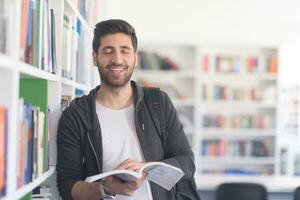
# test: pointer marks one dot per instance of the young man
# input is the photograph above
(111, 127)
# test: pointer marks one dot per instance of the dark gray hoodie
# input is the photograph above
(79, 142)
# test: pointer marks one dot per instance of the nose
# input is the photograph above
(117, 58)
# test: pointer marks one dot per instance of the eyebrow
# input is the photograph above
(122, 47)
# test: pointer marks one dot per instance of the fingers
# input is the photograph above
(130, 165)
(113, 185)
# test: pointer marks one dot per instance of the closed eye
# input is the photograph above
(107, 50)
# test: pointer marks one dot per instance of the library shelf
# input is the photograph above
(238, 160)
(87, 27)
(237, 132)
(25, 189)
(75, 84)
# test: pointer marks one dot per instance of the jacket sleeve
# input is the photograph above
(177, 149)
(69, 156)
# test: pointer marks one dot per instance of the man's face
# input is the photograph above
(115, 59)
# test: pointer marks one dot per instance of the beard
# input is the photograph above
(112, 81)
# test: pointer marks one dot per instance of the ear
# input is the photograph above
(136, 59)
(95, 58)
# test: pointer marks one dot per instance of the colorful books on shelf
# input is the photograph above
(239, 121)
(222, 63)
(37, 35)
(69, 40)
(3, 149)
(235, 148)
(33, 143)
(154, 61)
(213, 91)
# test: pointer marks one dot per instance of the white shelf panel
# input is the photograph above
(183, 102)
(74, 84)
(29, 71)
(236, 104)
(272, 183)
(30, 186)
(26, 70)
(6, 62)
(165, 73)
(80, 17)
(210, 77)
(235, 132)
(237, 160)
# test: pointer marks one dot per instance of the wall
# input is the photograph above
(240, 22)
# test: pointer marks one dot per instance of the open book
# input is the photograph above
(160, 173)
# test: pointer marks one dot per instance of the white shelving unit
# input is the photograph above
(190, 78)
(179, 84)
(29, 187)
(13, 70)
(233, 96)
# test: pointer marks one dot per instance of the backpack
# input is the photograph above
(184, 189)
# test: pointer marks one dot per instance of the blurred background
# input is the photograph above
(232, 70)
(230, 67)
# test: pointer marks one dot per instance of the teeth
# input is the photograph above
(117, 69)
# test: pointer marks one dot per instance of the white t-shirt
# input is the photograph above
(120, 142)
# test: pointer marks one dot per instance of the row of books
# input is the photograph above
(37, 35)
(240, 121)
(154, 61)
(70, 46)
(238, 171)
(33, 143)
(74, 56)
(288, 110)
(3, 149)
(239, 64)
(239, 93)
(170, 89)
(235, 148)
(88, 9)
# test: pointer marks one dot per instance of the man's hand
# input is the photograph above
(115, 186)
(130, 165)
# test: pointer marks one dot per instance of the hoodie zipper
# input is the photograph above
(94, 152)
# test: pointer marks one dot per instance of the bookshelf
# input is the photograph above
(288, 121)
(34, 72)
(237, 111)
(176, 75)
(226, 97)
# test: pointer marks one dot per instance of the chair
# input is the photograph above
(297, 193)
(241, 191)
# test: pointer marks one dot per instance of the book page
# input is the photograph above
(163, 174)
(125, 175)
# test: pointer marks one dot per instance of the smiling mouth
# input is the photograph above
(116, 69)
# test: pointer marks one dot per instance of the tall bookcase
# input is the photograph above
(226, 97)
(237, 111)
(45, 54)
(180, 83)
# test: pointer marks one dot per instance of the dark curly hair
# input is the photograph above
(113, 26)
